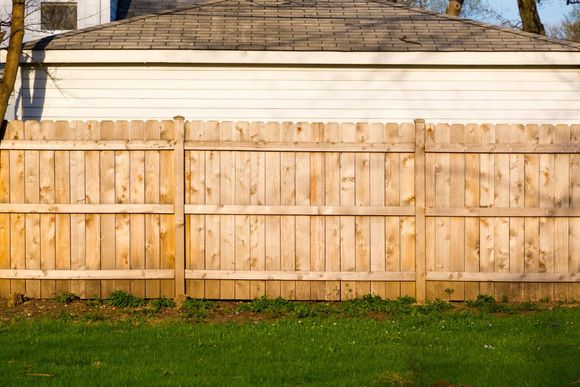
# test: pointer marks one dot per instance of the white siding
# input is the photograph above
(94, 12)
(508, 95)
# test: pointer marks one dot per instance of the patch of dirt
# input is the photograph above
(89, 310)
(220, 312)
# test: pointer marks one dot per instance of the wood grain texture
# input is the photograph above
(301, 210)
(4, 221)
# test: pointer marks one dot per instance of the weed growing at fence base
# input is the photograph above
(368, 342)
(65, 298)
(124, 299)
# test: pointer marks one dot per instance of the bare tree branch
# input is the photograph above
(12, 56)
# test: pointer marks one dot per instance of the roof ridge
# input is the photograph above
(481, 24)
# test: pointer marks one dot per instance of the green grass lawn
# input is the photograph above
(470, 347)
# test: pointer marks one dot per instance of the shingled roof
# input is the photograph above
(300, 25)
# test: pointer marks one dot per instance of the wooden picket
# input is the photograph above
(310, 211)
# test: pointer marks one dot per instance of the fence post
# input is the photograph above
(179, 205)
(420, 263)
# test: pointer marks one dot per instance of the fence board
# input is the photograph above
(377, 198)
(122, 221)
(273, 223)
(288, 223)
(4, 221)
(152, 222)
(93, 221)
(332, 198)
(167, 188)
(243, 223)
(17, 229)
(107, 170)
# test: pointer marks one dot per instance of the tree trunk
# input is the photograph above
(454, 7)
(13, 55)
(530, 17)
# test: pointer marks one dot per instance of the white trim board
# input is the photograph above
(305, 58)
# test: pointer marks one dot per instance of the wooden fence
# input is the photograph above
(298, 210)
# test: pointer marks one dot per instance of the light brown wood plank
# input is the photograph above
(332, 223)
(196, 288)
(250, 188)
(48, 252)
(227, 222)
(288, 223)
(547, 200)
(32, 196)
(487, 199)
(85, 145)
(443, 200)
(77, 196)
(503, 277)
(137, 196)
(212, 237)
(513, 212)
(317, 224)
(89, 208)
(92, 131)
(491, 148)
(257, 254)
(298, 145)
(167, 192)
(258, 133)
(372, 211)
(300, 276)
(77, 275)
(407, 200)
(561, 199)
(392, 198)
(501, 199)
(179, 202)
(472, 191)
(302, 223)
(302, 133)
(4, 221)
(517, 226)
(47, 222)
(152, 222)
(362, 223)
(457, 224)
(574, 291)
(377, 224)
(107, 188)
(62, 195)
(347, 197)
(532, 199)
(122, 196)
(242, 223)
(273, 187)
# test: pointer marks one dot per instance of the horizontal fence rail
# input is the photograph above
(312, 211)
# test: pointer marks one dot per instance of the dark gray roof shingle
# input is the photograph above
(301, 25)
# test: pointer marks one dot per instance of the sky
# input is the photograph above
(551, 12)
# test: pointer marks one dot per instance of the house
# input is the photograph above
(301, 60)
(49, 17)
(45, 18)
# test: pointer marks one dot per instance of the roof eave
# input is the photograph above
(448, 58)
